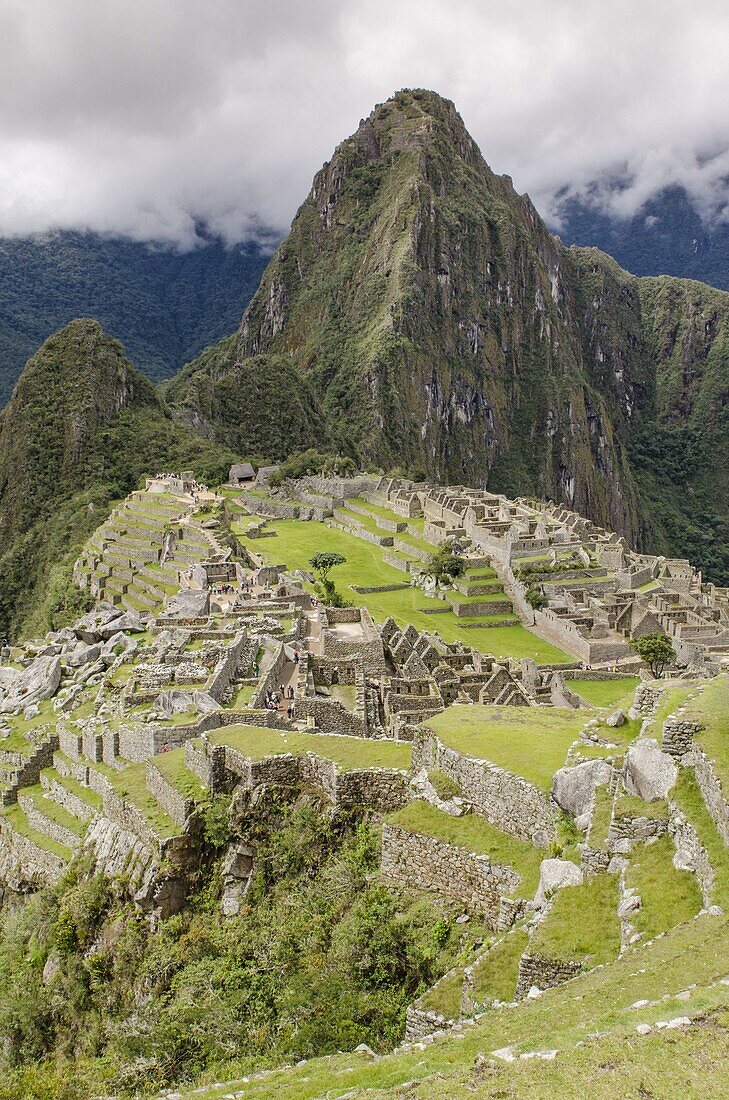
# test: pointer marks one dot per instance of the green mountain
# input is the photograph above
(81, 428)
(164, 305)
(422, 312)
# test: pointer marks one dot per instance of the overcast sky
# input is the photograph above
(141, 116)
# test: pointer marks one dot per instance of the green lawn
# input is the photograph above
(132, 785)
(606, 693)
(530, 741)
(19, 823)
(296, 542)
(478, 835)
(172, 766)
(445, 997)
(582, 923)
(350, 753)
(668, 896)
(688, 798)
(242, 697)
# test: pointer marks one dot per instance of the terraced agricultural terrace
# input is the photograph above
(521, 767)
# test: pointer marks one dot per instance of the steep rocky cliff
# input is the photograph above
(421, 307)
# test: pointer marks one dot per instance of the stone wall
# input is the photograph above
(506, 800)
(691, 852)
(421, 1022)
(226, 669)
(176, 805)
(543, 972)
(678, 735)
(25, 866)
(28, 774)
(712, 792)
(46, 825)
(431, 864)
(330, 716)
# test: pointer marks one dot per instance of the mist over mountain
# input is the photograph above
(668, 235)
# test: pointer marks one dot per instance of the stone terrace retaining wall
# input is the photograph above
(330, 716)
(23, 864)
(421, 1022)
(46, 825)
(686, 841)
(678, 735)
(178, 807)
(543, 972)
(712, 792)
(506, 800)
(226, 669)
(431, 864)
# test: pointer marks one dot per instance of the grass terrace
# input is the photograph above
(131, 784)
(350, 753)
(296, 542)
(494, 975)
(530, 741)
(475, 834)
(711, 707)
(582, 924)
(688, 798)
(668, 896)
(172, 766)
(18, 822)
(606, 693)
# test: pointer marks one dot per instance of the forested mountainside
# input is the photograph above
(666, 236)
(80, 430)
(422, 311)
(164, 305)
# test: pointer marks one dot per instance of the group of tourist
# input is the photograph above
(274, 700)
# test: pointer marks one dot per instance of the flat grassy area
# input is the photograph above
(668, 896)
(172, 766)
(711, 707)
(594, 1010)
(606, 693)
(582, 924)
(530, 741)
(674, 696)
(494, 975)
(93, 800)
(601, 816)
(350, 753)
(475, 834)
(631, 806)
(295, 543)
(241, 697)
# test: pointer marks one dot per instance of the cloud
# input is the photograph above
(145, 118)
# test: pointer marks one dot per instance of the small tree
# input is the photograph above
(445, 566)
(536, 598)
(656, 650)
(322, 564)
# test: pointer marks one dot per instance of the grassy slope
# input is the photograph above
(617, 1062)
(350, 753)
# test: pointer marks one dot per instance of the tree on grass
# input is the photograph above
(322, 564)
(445, 566)
(536, 598)
(656, 650)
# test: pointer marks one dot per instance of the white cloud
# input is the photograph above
(144, 117)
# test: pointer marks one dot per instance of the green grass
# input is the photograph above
(606, 693)
(475, 834)
(295, 543)
(172, 766)
(582, 923)
(630, 806)
(15, 816)
(494, 975)
(92, 799)
(594, 1010)
(444, 786)
(668, 896)
(241, 697)
(530, 741)
(350, 753)
(673, 697)
(688, 798)
(601, 816)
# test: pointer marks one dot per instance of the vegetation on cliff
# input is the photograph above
(322, 956)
